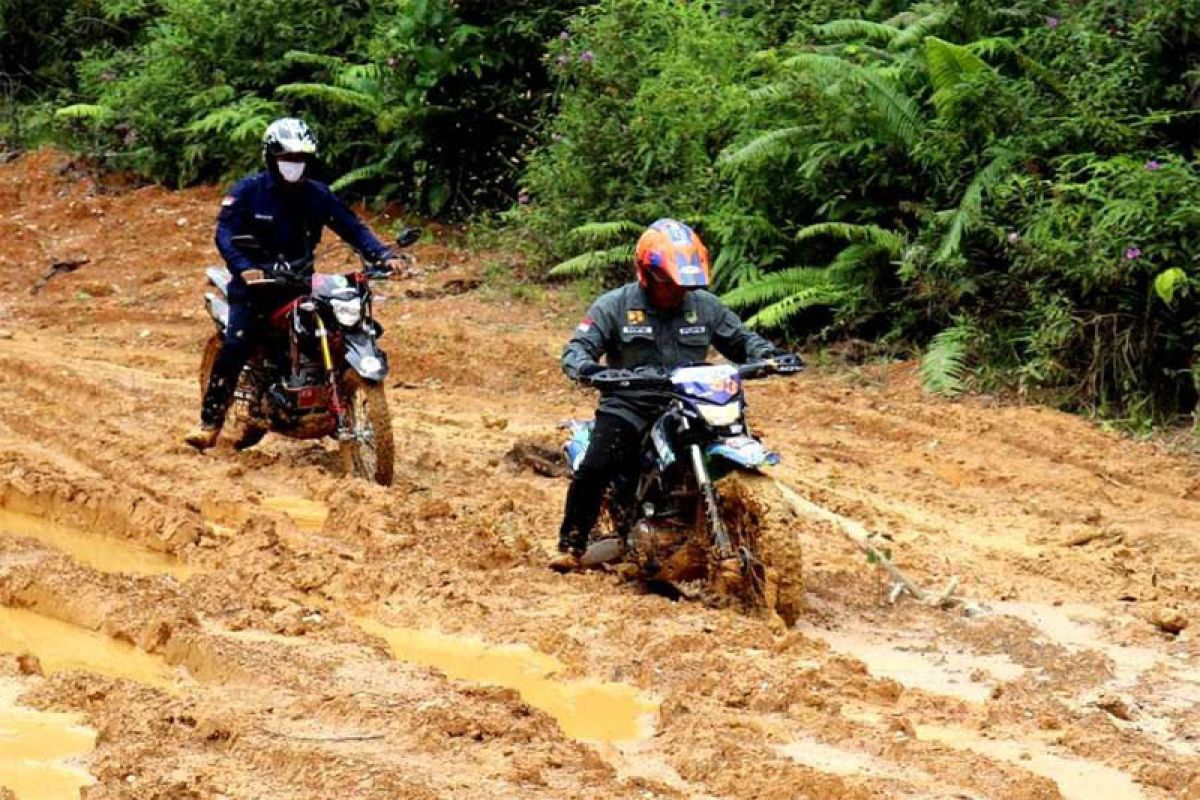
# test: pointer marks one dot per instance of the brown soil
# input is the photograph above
(1070, 543)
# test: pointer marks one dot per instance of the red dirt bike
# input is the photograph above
(319, 370)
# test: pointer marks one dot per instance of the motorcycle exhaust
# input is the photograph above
(602, 552)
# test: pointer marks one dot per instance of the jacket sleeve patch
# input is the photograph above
(585, 325)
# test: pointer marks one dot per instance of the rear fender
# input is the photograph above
(218, 309)
(364, 356)
(220, 278)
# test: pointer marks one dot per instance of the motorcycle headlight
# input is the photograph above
(348, 312)
(720, 416)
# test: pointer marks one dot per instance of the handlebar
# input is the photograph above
(652, 378)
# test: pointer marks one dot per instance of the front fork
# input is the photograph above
(335, 397)
(712, 510)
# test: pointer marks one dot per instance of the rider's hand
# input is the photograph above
(788, 362)
(649, 372)
(395, 265)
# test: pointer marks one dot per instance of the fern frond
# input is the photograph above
(764, 146)
(775, 286)
(594, 261)
(779, 314)
(307, 59)
(944, 365)
(88, 111)
(334, 95)
(970, 208)
(843, 29)
(949, 66)
(921, 28)
(363, 173)
(898, 111)
(597, 234)
(883, 238)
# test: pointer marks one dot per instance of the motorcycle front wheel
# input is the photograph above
(369, 454)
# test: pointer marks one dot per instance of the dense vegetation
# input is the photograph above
(1015, 185)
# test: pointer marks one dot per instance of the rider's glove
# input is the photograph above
(788, 362)
(586, 370)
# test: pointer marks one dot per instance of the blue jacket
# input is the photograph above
(288, 221)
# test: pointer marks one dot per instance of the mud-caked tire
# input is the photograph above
(369, 399)
(238, 428)
(757, 514)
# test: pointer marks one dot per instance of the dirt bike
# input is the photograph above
(699, 509)
(319, 370)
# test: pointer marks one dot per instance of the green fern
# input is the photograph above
(921, 27)
(84, 111)
(845, 29)
(897, 111)
(363, 173)
(970, 209)
(333, 95)
(944, 366)
(765, 146)
(889, 241)
(595, 261)
(597, 234)
(949, 66)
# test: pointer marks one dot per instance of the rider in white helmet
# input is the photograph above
(286, 211)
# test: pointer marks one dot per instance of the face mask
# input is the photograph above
(292, 171)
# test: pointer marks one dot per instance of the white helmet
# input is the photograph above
(288, 135)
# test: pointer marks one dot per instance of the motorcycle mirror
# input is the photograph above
(408, 236)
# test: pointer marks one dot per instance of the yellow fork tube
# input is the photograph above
(323, 335)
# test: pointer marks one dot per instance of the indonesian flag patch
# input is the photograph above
(228, 201)
(585, 325)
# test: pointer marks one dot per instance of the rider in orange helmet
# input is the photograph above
(665, 320)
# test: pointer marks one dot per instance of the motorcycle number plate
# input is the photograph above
(311, 396)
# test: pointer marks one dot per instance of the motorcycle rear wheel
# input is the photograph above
(372, 457)
(239, 426)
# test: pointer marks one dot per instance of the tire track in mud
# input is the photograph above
(287, 691)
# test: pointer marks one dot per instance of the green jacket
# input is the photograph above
(628, 332)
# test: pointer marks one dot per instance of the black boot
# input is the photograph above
(571, 544)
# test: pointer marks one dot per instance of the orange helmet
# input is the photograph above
(670, 260)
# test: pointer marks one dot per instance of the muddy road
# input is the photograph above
(255, 626)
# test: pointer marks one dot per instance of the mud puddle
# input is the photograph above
(309, 515)
(61, 647)
(586, 710)
(1077, 778)
(101, 553)
(38, 750)
(922, 664)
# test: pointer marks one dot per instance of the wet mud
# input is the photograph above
(202, 613)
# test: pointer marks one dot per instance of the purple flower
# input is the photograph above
(1132, 253)
(1052, 22)
(587, 57)
(1013, 237)
(1153, 165)
(564, 36)
(523, 197)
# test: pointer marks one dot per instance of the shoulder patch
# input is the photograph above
(585, 325)
(228, 201)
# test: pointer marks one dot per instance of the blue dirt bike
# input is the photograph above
(700, 517)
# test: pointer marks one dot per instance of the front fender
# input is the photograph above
(742, 452)
(364, 356)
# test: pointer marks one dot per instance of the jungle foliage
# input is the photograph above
(1013, 185)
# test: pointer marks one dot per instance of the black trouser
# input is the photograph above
(613, 450)
(245, 327)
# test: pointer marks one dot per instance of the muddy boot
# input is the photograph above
(570, 547)
(203, 436)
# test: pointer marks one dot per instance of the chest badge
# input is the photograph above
(635, 316)
(691, 316)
